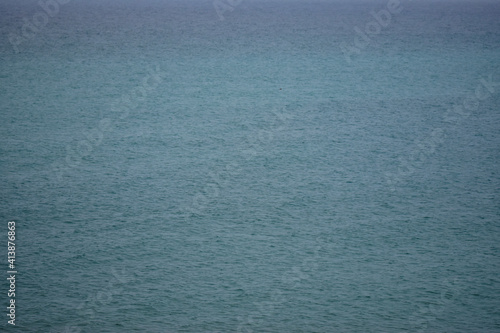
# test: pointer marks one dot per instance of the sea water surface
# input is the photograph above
(251, 166)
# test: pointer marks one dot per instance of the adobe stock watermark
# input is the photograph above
(291, 280)
(31, 27)
(89, 308)
(382, 19)
(255, 144)
(430, 312)
(222, 6)
(423, 149)
(121, 108)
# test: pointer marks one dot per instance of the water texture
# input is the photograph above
(251, 166)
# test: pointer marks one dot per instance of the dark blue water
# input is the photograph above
(251, 166)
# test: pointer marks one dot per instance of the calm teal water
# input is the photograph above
(276, 168)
